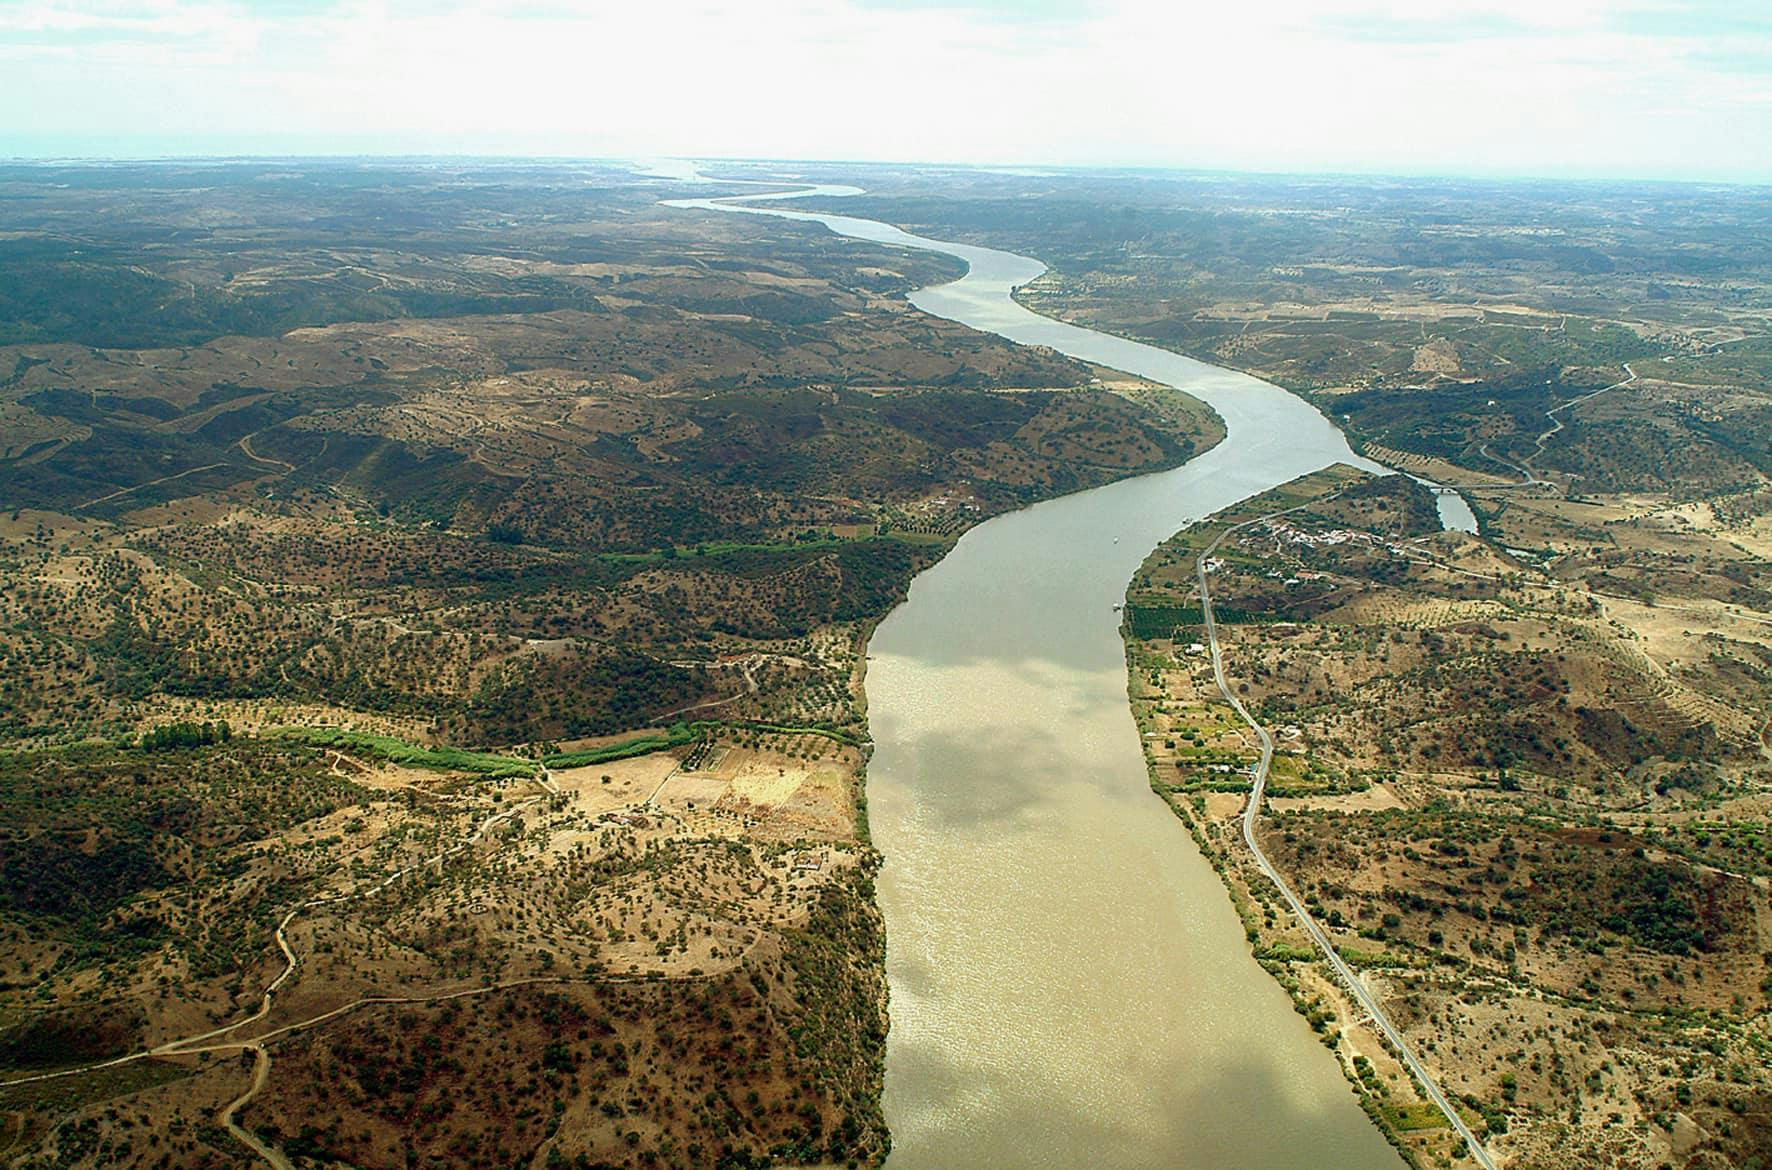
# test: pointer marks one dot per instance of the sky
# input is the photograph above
(1581, 88)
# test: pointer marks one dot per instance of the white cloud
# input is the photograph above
(1447, 85)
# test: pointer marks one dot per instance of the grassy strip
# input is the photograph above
(640, 745)
(1374, 959)
(841, 737)
(1149, 621)
(449, 759)
(1412, 1117)
(718, 548)
(398, 751)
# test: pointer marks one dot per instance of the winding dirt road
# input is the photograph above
(212, 1040)
(1529, 477)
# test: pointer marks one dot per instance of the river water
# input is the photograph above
(1070, 986)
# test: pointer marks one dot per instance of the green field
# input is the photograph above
(640, 745)
(398, 751)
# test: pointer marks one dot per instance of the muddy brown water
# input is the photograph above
(1070, 985)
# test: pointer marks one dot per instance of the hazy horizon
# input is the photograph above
(1555, 89)
(1052, 169)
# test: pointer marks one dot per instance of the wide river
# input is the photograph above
(1070, 985)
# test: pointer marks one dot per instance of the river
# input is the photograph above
(1070, 985)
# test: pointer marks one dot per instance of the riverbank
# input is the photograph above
(623, 539)
(1204, 764)
(1452, 797)
(1007, 794)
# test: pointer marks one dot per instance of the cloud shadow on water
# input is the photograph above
(1241, 1118)
(983, 781)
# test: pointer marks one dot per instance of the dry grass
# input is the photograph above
(1573, 934)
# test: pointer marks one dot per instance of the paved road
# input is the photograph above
(1250, 815)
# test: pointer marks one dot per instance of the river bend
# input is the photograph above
(1070, 986)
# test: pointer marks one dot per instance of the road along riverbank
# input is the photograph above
(1070, 985)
